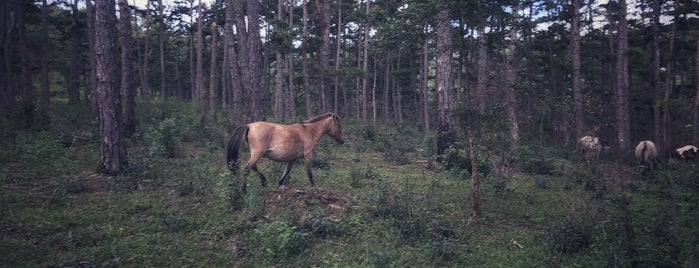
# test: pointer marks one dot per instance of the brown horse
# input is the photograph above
(281, 143)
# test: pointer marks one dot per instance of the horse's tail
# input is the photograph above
(233, 147)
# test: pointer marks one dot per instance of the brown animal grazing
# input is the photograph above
(591, 146)
(687, 152)
(281, 143)
(647, 153)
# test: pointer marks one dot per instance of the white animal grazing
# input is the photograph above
(590, 147)
(647, 153)
(687, 152)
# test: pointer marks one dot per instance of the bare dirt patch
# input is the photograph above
(334, 204)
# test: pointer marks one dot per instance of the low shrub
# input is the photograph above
(570, 235)
(277, 240)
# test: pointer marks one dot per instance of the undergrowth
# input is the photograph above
(381, 200)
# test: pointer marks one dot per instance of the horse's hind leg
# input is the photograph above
(262, 177)
(252, 164)
(286, 172)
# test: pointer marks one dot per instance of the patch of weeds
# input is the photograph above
(569, 236)
(161, 140)
(325, 227)
(530, 160)
(255, 205)
(65, 188)
(174, 223)
(277, 240)
(360, 176)
(398, 157)
(320, 163)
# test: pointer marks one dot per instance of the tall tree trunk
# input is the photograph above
(444, 84)
(112, 145)
(200, 102)
(243, 56)
(304, 60)
(291, 92)
(323, 15)
(669, 84)
(424, 85)
(146, 92)
(365, 66)
(91, 91)
(338, 43)
(7, 100)
(25, 79)
(482, 72)
(212, 72)
(234, 71)
(254, 70)
(279, 75)
(695, 136)
(386, 81)
(657, 120)
(45, 99)
(575, 58)
(128, 93)
(373, 92)
(161, 38)
(73, 75)
(192, 61)
(622, 83)
(510, 94)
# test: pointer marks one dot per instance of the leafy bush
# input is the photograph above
(570, 235)
(457, 159)
(277, 240)
(530, 160)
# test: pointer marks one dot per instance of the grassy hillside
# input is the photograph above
(379, 201)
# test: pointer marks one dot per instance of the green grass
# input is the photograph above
(175, 206)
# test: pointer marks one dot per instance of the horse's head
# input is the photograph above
(335, 130)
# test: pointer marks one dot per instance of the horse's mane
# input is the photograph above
(321, 117)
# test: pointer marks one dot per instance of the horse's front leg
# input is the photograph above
(286, 172)
(309, 162)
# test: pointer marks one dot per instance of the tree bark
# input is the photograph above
(365, 66)
(91, 91)
(338, 43)
(45, 99)
(304, 60)
(669, 84)
(424, 85)
(695, 136)
(575, 58)
(128, 93)
(657, 121)
(213, 95)
(280, 59)
(623, 122)
(445, 95)
(146, 92)
(254, 70)
(25, 79)
(161, 38)
(291, 92)
(482, 72)
(112, 145)
(510, 94)
(323, 15)
(73, 75)
(234, 71)
(201, 99)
